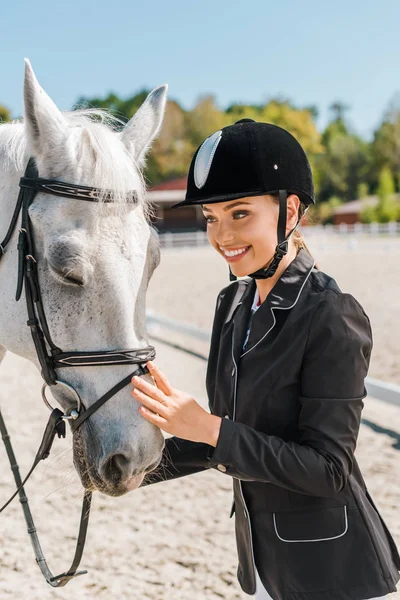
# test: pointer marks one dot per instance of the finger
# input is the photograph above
(148, 388)
(160, 378)
(152, 417)
(154, 405)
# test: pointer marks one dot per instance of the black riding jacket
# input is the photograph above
(291, 405)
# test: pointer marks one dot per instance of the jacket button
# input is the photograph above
(221, 468)
(233, 371)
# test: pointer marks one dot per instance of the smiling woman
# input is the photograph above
(285, 380)
(243, 231)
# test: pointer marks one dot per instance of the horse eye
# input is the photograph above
(75, 279)
(67, 276)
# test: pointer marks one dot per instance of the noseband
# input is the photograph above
(51, 357)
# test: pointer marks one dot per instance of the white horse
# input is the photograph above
(95, 261)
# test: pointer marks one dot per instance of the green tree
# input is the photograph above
(344, 164)
(122, 108)
(172, 150)
(345, 160)
(362, 190)
(386, 183)
(368, 214)
(385, 147)
(387, 208)
(204, 119)
(324, 212)
(4, 114)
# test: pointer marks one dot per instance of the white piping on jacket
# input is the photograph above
(280, 308)
(246, 511)
(315, 540)
(247, 514)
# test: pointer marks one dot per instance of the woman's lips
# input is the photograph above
(237, 257)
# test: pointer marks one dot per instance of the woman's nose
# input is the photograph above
(224, 234)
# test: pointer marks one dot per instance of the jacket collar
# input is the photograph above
(289, 286)
(284, 295)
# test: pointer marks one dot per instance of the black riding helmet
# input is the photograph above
(250, 158)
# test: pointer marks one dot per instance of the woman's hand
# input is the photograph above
(174, 411)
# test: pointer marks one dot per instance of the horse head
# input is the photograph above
(94, 260)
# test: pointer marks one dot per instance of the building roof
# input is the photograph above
(168, 192)
(356, 206)
(179, 183)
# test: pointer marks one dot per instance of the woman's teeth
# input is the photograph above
(235, 252)
(235, 255)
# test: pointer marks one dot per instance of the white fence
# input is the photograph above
(364, 229)
(388, 392)
(190, 238)
(199, 238)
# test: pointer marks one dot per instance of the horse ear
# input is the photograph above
(144, 126)
(45, 124)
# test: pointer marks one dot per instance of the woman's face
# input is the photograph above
(247, 228)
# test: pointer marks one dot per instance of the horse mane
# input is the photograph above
(113, 167)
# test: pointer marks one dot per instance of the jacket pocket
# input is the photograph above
(311, 526)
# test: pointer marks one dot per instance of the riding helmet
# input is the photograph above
(251, 158)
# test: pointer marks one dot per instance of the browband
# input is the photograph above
(70, 190)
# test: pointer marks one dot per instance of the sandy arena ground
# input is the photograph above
(175, 540)
(186, 284)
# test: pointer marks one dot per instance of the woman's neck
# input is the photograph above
(264, 286)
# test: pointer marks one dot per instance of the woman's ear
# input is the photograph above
(293, 205)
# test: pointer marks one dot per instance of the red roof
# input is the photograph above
(172, 184)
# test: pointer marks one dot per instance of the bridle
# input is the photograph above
(52, 358)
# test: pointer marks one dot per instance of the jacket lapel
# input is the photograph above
(241, 318)
(284, 295)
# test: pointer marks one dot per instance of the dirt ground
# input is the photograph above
(186, 284)
(174, 540)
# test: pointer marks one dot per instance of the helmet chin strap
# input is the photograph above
(282, 246)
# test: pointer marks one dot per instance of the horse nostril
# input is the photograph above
(121, 467)
(116, 468)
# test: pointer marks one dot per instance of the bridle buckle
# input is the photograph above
(74, 413)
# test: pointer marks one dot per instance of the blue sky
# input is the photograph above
(310, 52)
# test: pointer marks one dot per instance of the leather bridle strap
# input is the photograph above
(12, 226)
(30, 184)
(54, 426)
(28, 277)
(106, 357)
(141, 370)
(68, 190)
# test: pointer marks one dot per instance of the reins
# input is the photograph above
(51, 357)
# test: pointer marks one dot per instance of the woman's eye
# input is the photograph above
(240, 212)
